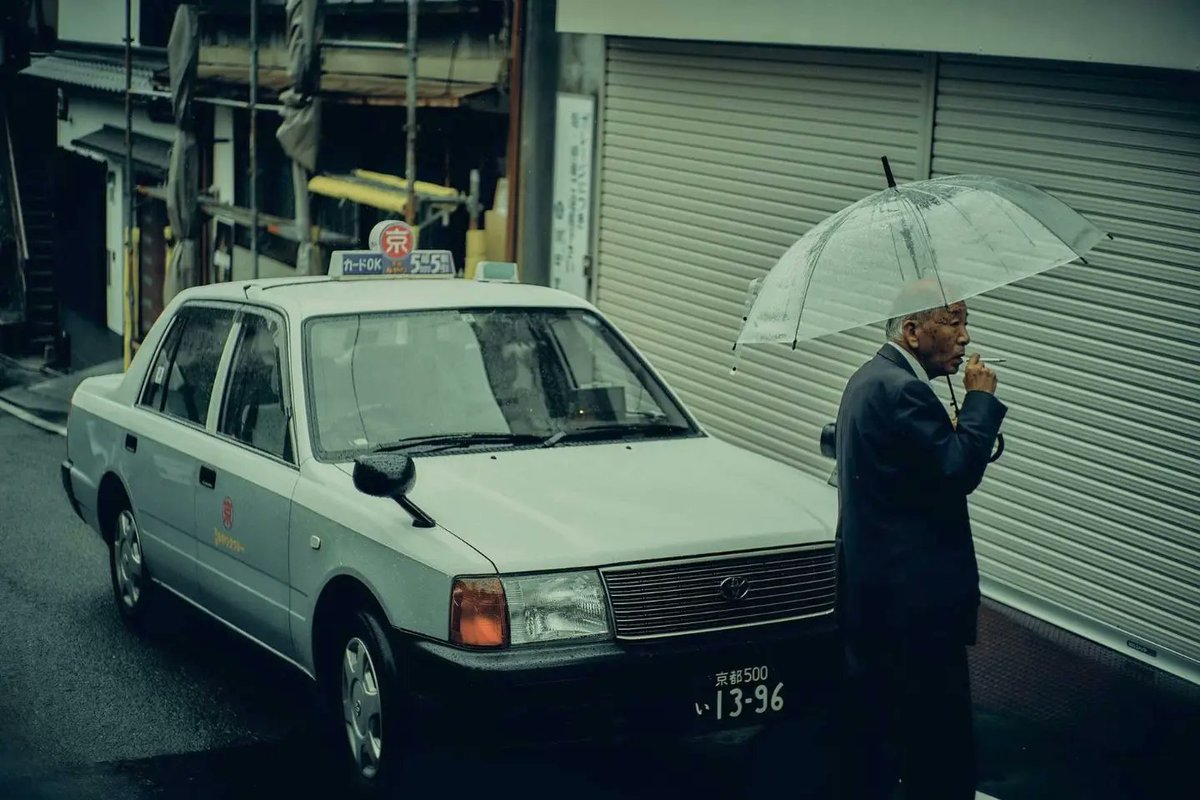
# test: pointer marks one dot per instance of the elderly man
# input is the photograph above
(908, 582)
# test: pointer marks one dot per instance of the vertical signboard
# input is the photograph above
(570, 230)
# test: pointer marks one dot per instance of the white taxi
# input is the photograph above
(468, 497)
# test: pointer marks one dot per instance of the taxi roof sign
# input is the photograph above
(374, 264)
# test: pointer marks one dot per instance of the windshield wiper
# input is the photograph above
(617, 431)
(446, 441)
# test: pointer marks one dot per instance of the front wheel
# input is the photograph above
(370, 703)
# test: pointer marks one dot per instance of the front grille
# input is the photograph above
(679, 597)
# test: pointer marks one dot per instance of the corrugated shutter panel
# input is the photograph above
(1095, 508)
(715, 159)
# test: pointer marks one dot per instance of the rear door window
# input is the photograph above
(191, 373)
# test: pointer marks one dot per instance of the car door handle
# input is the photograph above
(208, 477)
(131, 442)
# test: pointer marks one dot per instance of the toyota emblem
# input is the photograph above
(735, 588)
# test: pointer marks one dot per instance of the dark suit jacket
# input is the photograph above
(906, 561)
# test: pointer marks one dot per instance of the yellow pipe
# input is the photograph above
(420, 187)
(135, 339)
(367, 195)
(127, 294)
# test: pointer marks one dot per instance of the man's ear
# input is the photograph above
(909, 330)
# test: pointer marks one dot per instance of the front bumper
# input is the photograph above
(627, 690)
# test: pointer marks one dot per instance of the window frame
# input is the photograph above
(182, 317)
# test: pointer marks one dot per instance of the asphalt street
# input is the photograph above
(89, 709)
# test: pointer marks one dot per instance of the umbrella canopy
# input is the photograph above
(952, 238)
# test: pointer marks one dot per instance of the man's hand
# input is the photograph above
(979, 376)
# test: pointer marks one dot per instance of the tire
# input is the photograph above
(368, 705)
(133, 590)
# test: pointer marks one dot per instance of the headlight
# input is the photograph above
(551, 608)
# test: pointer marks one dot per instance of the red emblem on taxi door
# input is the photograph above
(227, 514)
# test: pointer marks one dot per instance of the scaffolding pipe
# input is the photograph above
(512, 165)
(130, 209)
(303, 211)
(358, 44)
(410, 129)
(254, 136)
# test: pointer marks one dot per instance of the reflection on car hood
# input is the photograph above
(611, 503)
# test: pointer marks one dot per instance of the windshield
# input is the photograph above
(382, 379)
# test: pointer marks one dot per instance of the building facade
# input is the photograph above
(723, 131)
(358, 177)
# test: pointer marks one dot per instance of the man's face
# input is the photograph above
(940, 342)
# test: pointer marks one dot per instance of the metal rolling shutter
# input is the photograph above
(715, 159)
(1095, 508)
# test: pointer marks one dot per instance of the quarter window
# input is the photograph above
(155, 388)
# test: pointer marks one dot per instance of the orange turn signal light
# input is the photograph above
(478, 613)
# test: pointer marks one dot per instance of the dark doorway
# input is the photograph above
(79, 249)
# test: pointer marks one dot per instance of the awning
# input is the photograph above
(148, 152)
(97, 72)
(379, 190)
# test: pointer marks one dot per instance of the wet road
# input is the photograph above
(91, 709)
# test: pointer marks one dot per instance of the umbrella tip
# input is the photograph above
(887, 170)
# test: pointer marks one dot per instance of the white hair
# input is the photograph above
(894, 329)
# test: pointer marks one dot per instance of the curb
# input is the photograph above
(32, 419)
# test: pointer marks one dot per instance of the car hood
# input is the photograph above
(601, 504)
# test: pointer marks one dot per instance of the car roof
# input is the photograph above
(305, 297)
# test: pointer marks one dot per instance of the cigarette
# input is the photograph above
(992, 360)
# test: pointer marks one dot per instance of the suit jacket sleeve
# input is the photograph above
(959, 454)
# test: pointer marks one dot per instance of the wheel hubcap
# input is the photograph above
(128, 557)
(361, 707)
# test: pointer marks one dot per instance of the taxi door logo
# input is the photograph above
(223, 539)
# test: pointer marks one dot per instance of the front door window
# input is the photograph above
(255, 412)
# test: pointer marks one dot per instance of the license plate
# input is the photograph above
(743, 694)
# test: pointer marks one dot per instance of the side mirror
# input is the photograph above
(390, 475)
(829, 440)
(384, 474)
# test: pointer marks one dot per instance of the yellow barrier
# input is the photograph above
(130, 293)
(476, 251)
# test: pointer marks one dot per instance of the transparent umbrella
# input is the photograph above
(957, 236)
(910, 248)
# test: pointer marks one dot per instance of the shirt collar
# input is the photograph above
(917, 369)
